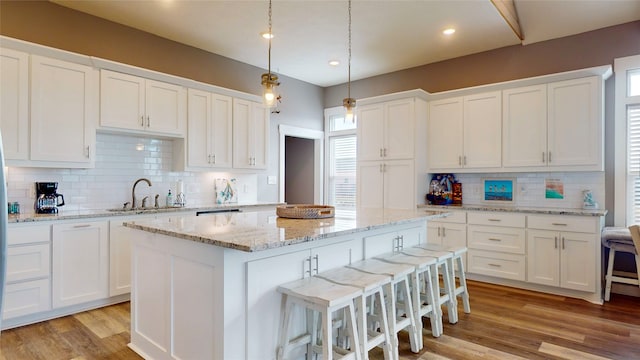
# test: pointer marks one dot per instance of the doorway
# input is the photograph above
(301, 153)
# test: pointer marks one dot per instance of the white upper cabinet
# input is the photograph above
(250, 135)
(14, 103)
(554, 127)
(62, 111)
(524, 126)
(210, 131)
(133, 103)
(575, 124)
(386, 130)
(465, 132)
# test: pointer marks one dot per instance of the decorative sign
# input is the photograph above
(498, 190)
(554, 189)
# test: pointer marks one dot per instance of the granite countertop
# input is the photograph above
(98, 213)
(262, 230)
(530, 210)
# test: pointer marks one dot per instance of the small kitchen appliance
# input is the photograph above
(47, 198)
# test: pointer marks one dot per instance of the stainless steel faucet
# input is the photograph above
(133, 191)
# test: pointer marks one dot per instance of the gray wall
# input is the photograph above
(52, 25)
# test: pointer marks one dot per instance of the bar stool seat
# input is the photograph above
(318, 296)
(423, 291)
(367, 319)
(620, 239)
(399, 308)
(457, 252)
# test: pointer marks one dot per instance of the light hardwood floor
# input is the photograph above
(504, 323)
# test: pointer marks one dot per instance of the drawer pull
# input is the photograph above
(495, 220)
(81, 226)
(495, 239)
(558, 224)
(495, 265)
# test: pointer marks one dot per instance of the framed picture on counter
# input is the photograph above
(498, 190)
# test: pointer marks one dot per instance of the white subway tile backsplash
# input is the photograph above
(118, 165)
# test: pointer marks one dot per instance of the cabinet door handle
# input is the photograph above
(495, 265)
(81, 226)
(495, 239)
(88, 152)
(543, 157)
(563, 243)
(549, 156)
(459, 160)
(380, 152)
(465, 160)
(317, 263)
(148, 121)
(401, 239)
(438, 231)
(556, 242)
(214, 158)
(495, 220)
(558, 224)
(384, 152)
(142, 120)
(444, 232)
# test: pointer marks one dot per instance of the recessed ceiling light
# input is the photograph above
(266, 35)
(448, 31)
(334, 62)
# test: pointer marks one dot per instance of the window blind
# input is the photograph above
(342, 176)
(633, 166)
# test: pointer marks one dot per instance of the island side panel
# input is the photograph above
(176, 303)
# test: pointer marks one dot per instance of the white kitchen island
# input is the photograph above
(205, 287)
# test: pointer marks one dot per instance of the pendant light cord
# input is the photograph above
(349, 65)
(270, 37)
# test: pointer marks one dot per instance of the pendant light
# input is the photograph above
(349, 102)
(269, 80)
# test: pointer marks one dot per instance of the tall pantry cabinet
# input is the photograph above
(390, 157)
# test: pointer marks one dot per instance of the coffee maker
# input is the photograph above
(47, 198)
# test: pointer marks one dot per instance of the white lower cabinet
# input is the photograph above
(81, 262)
(386, 242)
(28, 284)
(498, 251)
(451, 230)
(564, 259)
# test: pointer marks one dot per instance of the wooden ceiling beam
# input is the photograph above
(507, 9)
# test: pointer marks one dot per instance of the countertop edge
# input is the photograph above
(280, 244)
(529, 210)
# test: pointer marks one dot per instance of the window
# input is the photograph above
(627, 141)
(341, 161)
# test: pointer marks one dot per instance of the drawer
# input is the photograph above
(26, 298)
(28, 262)
(585, 224)
(458, 217)
(28, 234)
(507, 266)
(497, 238)
(496, 219)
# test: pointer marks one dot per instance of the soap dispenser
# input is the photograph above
(169, 199)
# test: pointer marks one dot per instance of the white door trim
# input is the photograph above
(318, 158)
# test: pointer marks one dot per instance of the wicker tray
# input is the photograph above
(305, 211)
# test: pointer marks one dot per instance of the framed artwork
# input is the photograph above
(498, 190)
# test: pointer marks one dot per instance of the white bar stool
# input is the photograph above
(399, 308)
(619, 239)
(423, 291)
(367, 319)
(457, 252)
(326, 298)
(446, 294)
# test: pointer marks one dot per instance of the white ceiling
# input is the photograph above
(386, 35)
